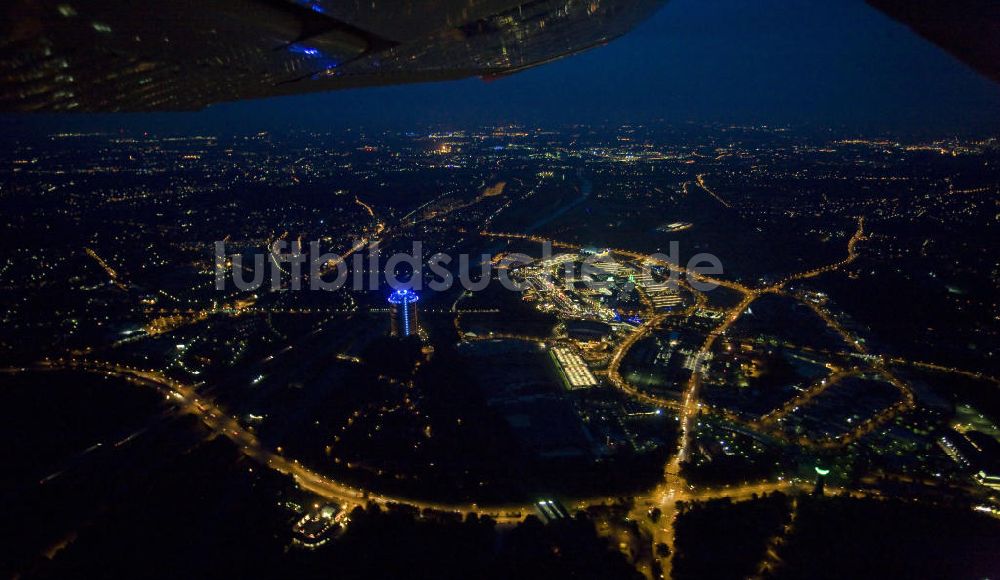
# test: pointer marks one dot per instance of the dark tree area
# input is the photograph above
(722, 539)
(471, 444)
(205, 514)
(209, 513)
(397, 543)
(835, 538)
(840, 537)
(776, 371)
(393, 357)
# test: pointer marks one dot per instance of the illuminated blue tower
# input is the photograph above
(403, 310)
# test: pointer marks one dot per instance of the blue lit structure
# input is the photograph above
(403, 309)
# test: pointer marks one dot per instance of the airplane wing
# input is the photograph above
(968, 29)
(106, 55)
(110, 55)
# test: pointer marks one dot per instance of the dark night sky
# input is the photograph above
(746, 61)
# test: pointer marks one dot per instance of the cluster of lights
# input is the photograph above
(576, 370)
(953, 452)
(403, 296)
(551, 510)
